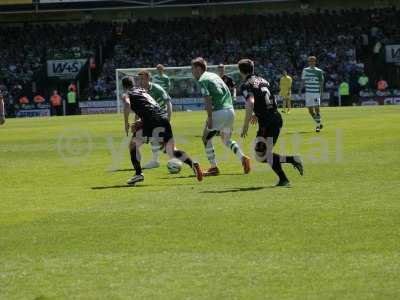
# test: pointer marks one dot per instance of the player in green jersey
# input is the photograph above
(312, 79)
(220, 115)
(162, 79)
(164, 101)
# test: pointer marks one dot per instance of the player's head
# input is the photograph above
(160, 69)
(127, 83)
(199, 66)
(312, 61)
(246, 67)
(144, 78)
(221, 70)
(284, 72)
(55, 92)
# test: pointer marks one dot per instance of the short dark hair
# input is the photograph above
(246, 66)
(127, 82)
(200, 62)
(144, 72)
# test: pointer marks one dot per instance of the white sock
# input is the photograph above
(211, 154)
(155, 148)
(235, 149)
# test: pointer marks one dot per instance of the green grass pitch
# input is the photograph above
(71, 229)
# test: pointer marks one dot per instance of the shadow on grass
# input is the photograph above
(300, 132)
(249, 189)
(122, 170)
(117, 187)
(205, 178)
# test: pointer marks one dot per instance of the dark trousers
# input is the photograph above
(72, 108)
(57, 110)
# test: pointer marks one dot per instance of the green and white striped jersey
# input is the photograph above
(163, 80)
(313, 78)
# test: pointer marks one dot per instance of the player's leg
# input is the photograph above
(265, 142)
(134, 150)
(313, 102)
(285, 104)
(208, 135)
(288, 103)
(173, 152)
(310, 104)
(226, 138)
(318, 119)
(155, 150)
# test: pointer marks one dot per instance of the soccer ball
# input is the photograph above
(174, 166)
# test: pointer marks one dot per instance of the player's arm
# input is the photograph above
(127, 111)
(234, 90)
(249, 115)
(234, 93)
(169, 85)
(168, 104)
(2, 111)
(208, 103)
(321, 85)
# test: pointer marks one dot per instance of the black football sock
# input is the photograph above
(287, 159)
(183, 157)
(135, 162)
(277, 167)
(318, 119)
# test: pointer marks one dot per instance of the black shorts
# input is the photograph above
(160, 130)
(271, 126)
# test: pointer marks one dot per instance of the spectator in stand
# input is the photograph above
(23, 101)
(72, 87)
(344, 93)
(56, 104)
(363, 81)
(71, 102)
(382, 85)
(38, 100)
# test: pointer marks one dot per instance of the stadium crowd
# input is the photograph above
(342, 40)
(25, 49)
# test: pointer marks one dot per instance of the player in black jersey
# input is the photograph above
(152, 125)
(228, 81)
(259, 100)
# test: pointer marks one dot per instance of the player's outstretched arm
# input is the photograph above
(249, 114)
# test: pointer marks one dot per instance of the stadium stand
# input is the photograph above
(346, 42)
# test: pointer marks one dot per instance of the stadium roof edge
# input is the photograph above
(130, 4)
